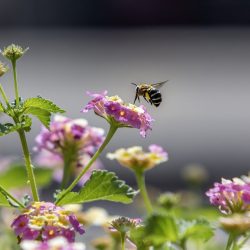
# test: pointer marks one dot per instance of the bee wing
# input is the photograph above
(158, 84)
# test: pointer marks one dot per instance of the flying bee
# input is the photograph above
(150, 93)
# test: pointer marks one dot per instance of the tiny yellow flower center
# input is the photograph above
(51, 232)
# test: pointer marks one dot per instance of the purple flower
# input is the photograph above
(69, 234)
(230, 196)
(68, 138)
(114, 109)
(43, 221)
(50, 232)
(30, 234)
(75, 223)
(20, 224)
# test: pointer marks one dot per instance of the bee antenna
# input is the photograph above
(133, 83)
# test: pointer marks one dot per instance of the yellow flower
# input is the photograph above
(135, 158)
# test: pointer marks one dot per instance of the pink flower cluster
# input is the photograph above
(114, 109)
(43, 221)
(230, 196)
(67, 138)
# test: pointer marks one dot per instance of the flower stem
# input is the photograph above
(3, 191)
(140, 178)
(29, 167)
(4, 96)
(110, 134)
(123, 235)
(15, 81)
(66, 174)
(230, 241)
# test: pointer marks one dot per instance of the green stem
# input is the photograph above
(4, 95)
(230, 241)
(15, 81)
(29, 167)
(123, 236)
(140, 178)
(66, 174)
(110, 134)
(2, 190)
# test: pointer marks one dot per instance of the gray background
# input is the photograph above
(204, 116)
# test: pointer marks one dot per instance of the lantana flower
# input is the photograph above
(43, 221)
(114, 109)
(58, 243)
(137, 159)
(72, 141)
(230, 196)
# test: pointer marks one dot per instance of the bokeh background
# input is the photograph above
(201, 47)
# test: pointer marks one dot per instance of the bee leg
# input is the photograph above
(144, 96)
(136, 97)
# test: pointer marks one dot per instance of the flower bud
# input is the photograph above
(3, 69)
(169, 200)
(124, 224)
(13, 52)
(195, 174)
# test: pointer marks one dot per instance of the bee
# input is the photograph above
(150, 93)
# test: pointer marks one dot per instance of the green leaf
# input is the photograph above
(41, 103)
(137, 236)
(7, 128)
(195, 229)
(42, 114)
(160, 228)
(102, 185)
(15, 177)
(4, 201)
(41, 108)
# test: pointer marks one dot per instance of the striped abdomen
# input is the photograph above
(155, 97)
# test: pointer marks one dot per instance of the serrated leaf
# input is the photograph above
(195, 229)
(102, 185)
(137, 236)
(42, 114)
(160, 228)
(16, 177)
(41, 103)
